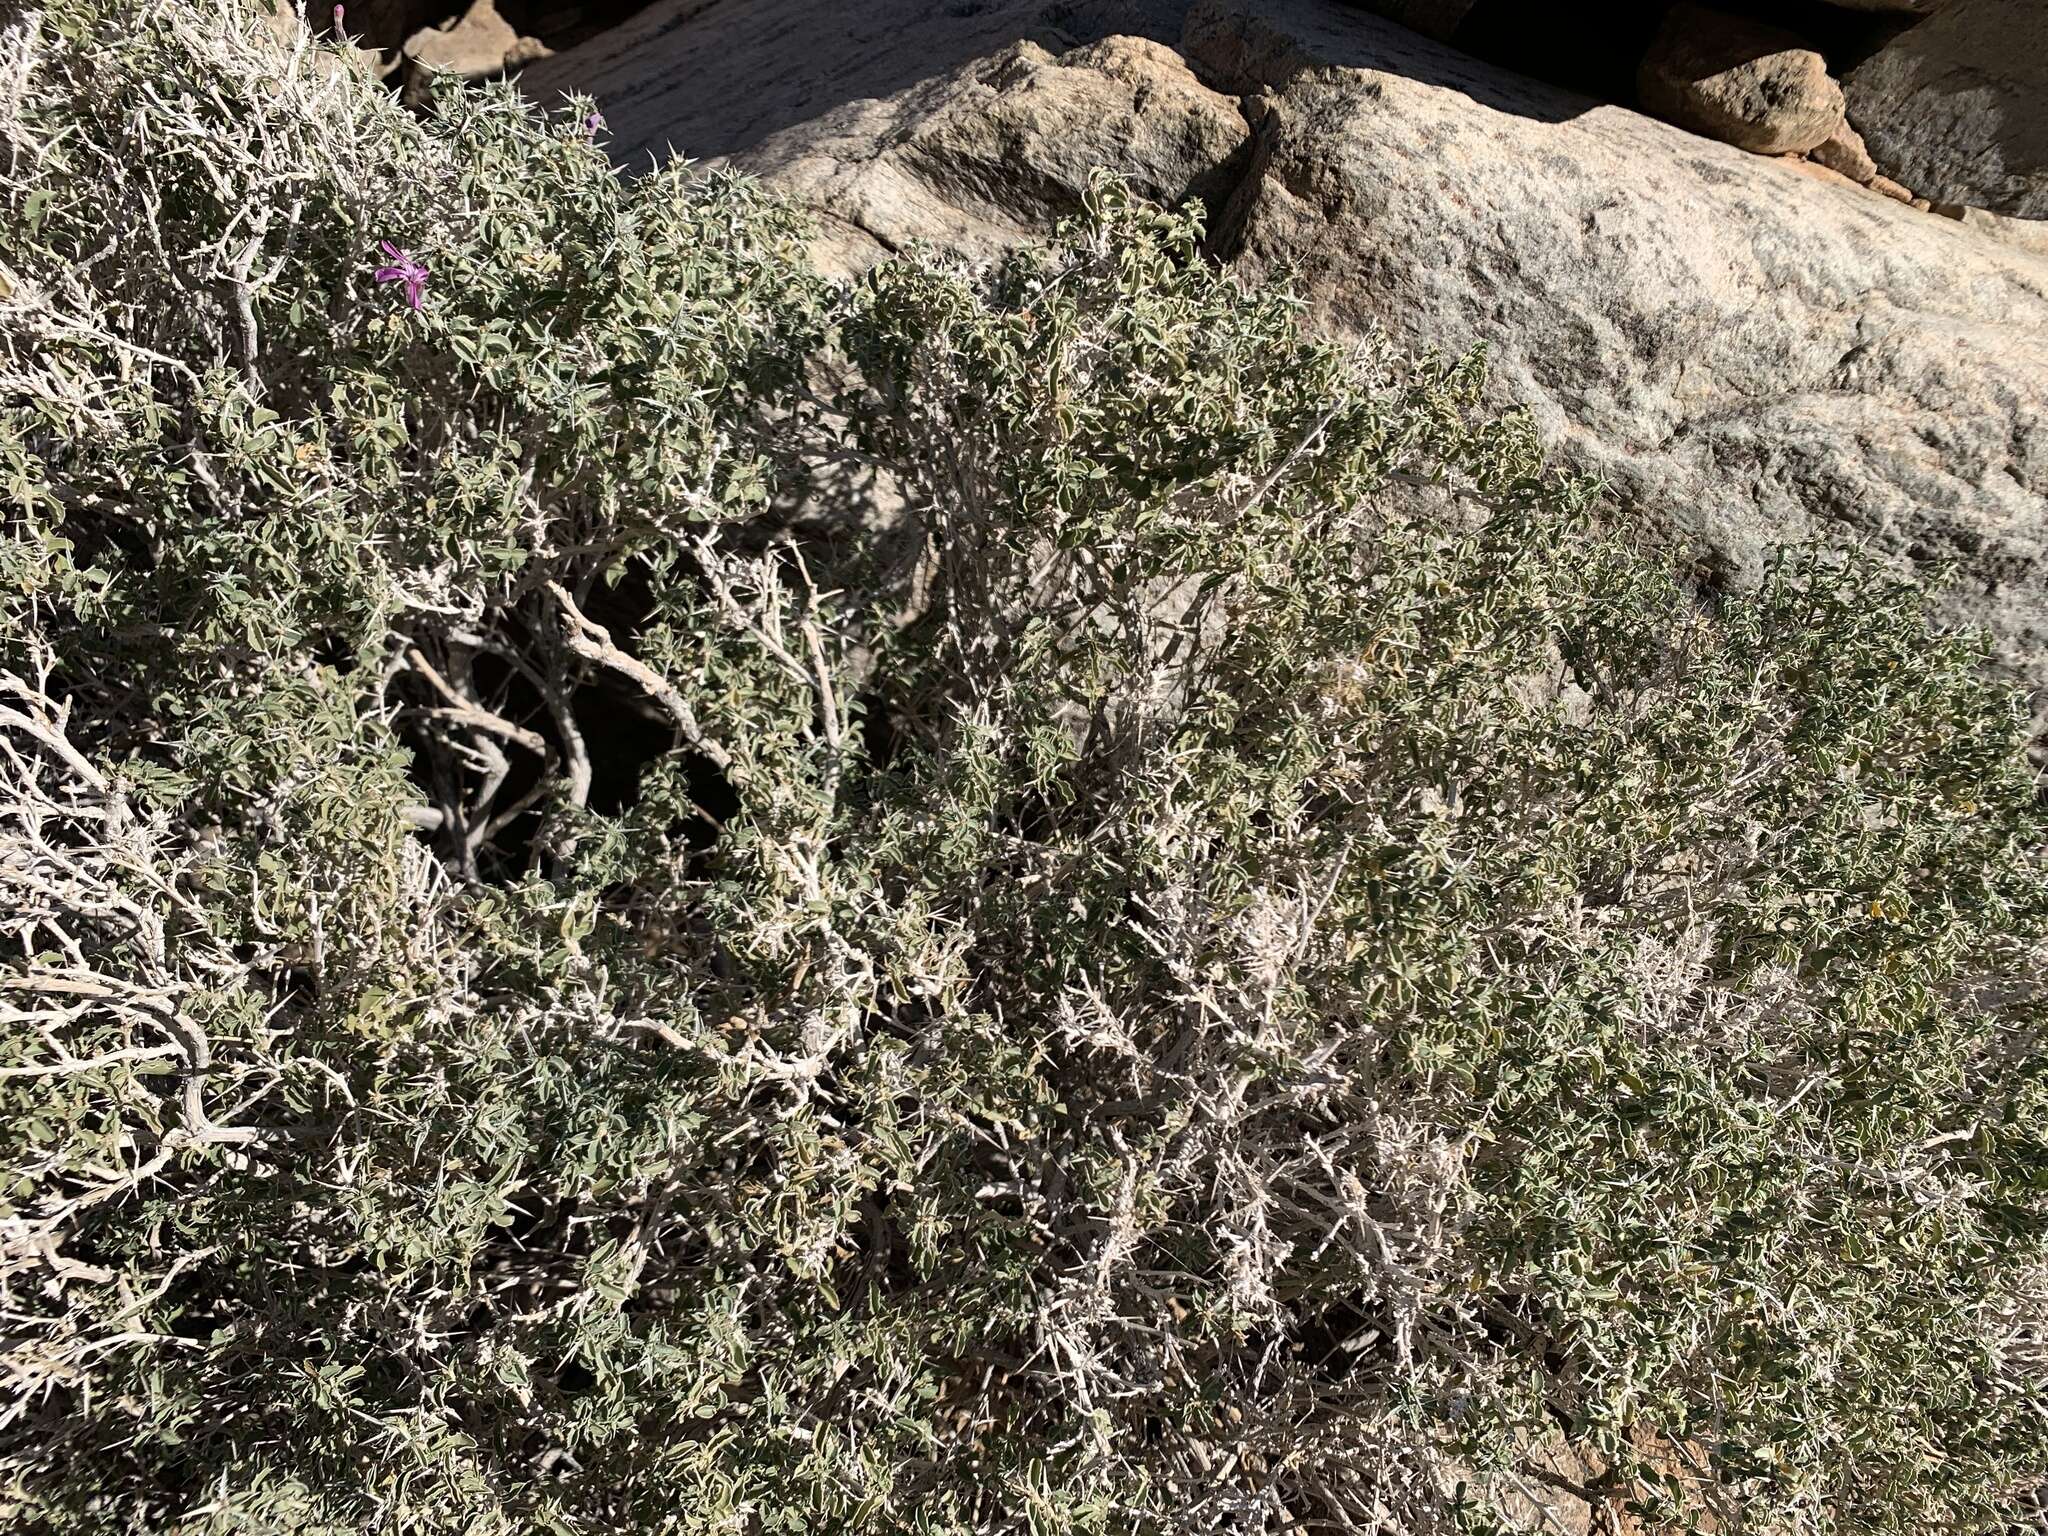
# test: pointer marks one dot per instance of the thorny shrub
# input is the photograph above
(1230, 965)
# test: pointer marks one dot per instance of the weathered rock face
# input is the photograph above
(1747, 355)
(705, 78)
(1739, 81)
(1957, 106)
(1000, 150)
(1845, 153)
(477, 44)
(2028, 234)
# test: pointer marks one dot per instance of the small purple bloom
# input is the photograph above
(593, 124)
(403, 269)
(337, 21)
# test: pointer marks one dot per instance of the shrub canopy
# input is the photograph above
(659, 896)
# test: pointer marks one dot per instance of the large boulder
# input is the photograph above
(705, 78)
(1746, 354)
(1001, 149)
(1957, 106)
(1751, 85)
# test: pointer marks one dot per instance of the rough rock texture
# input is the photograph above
(1905, 7)
(1747, 355)
(705, 78)
(1844, 152)
(1957, 107)
(2028, 234)
(478, 44)
(1000, 150)
(1739, 81)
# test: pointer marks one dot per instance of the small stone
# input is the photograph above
(1739, 81)
(1844, 151)
(1814, 170)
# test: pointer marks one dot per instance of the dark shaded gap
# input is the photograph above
(1597, 54)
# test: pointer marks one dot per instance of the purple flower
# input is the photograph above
(337, 21)
(593, 124)
(404, 269)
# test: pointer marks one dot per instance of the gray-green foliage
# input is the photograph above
(1233, 965)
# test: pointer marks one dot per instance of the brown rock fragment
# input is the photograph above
(1740, 81)
(1844, 151)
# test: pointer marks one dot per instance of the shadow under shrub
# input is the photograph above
(1239, 967)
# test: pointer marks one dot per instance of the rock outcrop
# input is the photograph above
(1747, 84)
(1000, 150)
(706, 78)
(1957, 106)
(1745, 354)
